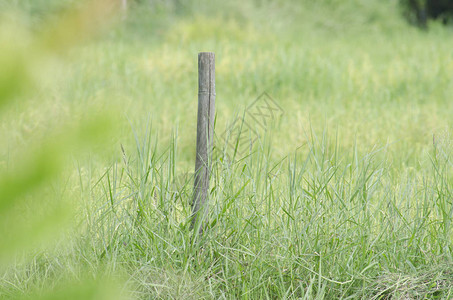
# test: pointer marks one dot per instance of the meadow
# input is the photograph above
(347, 193)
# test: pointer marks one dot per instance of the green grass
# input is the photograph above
(347, 195)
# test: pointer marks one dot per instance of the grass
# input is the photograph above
(347, 195)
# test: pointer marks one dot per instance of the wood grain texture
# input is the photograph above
(205, 132)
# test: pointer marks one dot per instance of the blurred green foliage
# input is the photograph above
(32, 214)
(361, 213)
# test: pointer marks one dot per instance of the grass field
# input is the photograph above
(347, 194)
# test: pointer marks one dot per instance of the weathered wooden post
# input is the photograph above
(205, 132)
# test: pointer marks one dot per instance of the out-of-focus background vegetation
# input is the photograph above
(348, 194)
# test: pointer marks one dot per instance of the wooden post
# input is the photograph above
(205, 132)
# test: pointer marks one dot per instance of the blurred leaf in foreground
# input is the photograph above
(21, 186)
(32, 212)
(14, 74)
(21, 52)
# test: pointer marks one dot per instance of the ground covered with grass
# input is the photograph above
(344, 192)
